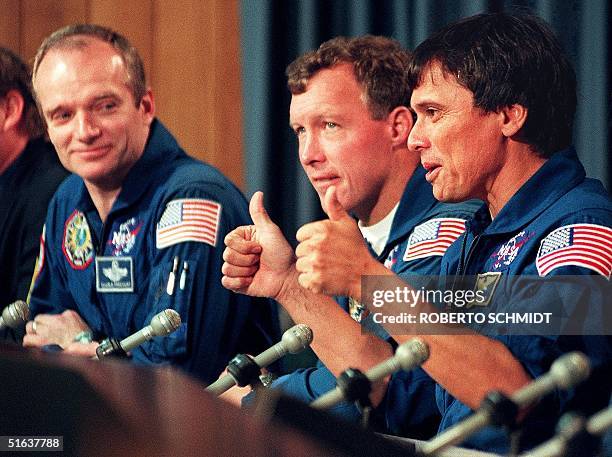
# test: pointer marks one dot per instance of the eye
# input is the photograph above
(61, 116)
(107, 106)
(298, 131)
(331, 125)
(432, 113)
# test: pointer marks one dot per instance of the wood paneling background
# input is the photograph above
(191, 52)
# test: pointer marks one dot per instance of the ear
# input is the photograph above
(400, 123)
(513, 118)
(147, 105)
(13, 110)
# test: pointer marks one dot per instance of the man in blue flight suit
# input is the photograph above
(137, 229)
(352, 125)
(494, 121)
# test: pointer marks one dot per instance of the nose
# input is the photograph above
(310, 150)
(417, 140)
(87, 129)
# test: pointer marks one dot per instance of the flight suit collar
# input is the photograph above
(559, 174)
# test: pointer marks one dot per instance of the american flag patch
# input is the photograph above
(583, 245)
(188, 219)
(433, 237)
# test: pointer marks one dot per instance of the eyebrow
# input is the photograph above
(95, 100)
(424, 104)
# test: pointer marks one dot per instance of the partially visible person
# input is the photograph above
(495, 98)
(30, 172)
(349, 114)
(137, 229)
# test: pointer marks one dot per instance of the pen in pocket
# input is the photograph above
(172, 276)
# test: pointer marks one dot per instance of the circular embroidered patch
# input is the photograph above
(78, 246)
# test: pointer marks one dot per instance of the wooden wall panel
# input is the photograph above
(9, 24)
(228, 94)
(197, 79)
(132, 18)
(191, 54)
(41, 17)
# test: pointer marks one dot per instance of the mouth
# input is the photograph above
(433, 169)
(324, 181)
(93, 152)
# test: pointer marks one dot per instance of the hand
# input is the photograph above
(235, 394)
(82, 349)
(258, 258)
(332, 254)
(54, 329)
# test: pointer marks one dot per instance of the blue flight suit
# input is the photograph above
(169, 220)
(409, 407)
(514, 244)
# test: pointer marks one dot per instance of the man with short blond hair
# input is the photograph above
(137, 229)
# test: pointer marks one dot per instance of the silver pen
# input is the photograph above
(183, 275)
(172, 276)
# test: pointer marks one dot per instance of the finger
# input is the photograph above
(303, 265)
(258, 211)
(53, 320)
(311, 229)
(234, 271)
(236, 284)
(308, 281)
(303, 249)
(332, 207)
(30, 328)
(239, 239)
(308, 248)
(80, 349)
(241, 260)
(31, 340)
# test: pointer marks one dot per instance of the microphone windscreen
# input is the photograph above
(165, 322)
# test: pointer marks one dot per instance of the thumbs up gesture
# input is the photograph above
(332, 254)
(257, 258)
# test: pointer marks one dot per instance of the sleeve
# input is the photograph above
(410, 407)
(216, 323)
(308, 384)
(568, 278)
(49, 293)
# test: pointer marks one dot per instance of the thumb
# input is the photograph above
(332, 207)
(257, 211)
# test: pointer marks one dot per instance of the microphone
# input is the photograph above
(407, 356)
(15, 315)
(294, 340)
(575, 433)
(565, 372)
(162, 324)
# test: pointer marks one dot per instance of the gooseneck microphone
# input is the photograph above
(294, 340)
(408, 355)
(15, 315)
(162, 324)
(576, 436)
(565, 372)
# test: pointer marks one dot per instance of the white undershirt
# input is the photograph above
(378, 234)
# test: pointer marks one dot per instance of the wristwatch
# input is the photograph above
(84, 337)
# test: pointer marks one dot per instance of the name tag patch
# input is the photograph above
(114, 274)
